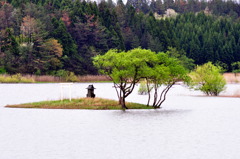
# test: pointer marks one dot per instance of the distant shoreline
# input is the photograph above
(230, 78)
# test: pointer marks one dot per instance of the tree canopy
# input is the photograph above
(128, 68)
(208, 79)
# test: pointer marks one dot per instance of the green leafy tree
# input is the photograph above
(61, 34)
(130, 39)
(124, 68)
(128, 68)
(121, 13)
(31, 29)
(10, 53)
(207, 78)
(91, 40)
(51, 51)
(163, 72)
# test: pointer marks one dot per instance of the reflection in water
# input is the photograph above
(154, 112)
(186, 127)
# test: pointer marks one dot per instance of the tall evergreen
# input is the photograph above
(203, 30)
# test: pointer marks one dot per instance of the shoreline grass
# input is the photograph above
(19, 78)
(81, 103)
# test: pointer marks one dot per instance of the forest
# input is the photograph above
(45, 37)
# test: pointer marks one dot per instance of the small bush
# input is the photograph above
(61, 73)
(67, 76)
(207, 78)
(71, 77)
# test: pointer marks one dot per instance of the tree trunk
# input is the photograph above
(149, 93)
(118, 94)
(155, 96)
(122, 102)
(164, 94)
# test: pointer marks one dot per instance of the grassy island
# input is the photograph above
(81, 103)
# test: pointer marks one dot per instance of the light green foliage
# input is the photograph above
(166, 71)
(128, 68)
(125, 69)
(124, 66)
(207, 78)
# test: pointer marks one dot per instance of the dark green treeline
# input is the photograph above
(45, 36)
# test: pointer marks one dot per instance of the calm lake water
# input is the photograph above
(189, 126)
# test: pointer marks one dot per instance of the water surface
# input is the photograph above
(189, 126)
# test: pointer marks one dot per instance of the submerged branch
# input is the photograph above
(164, 94)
